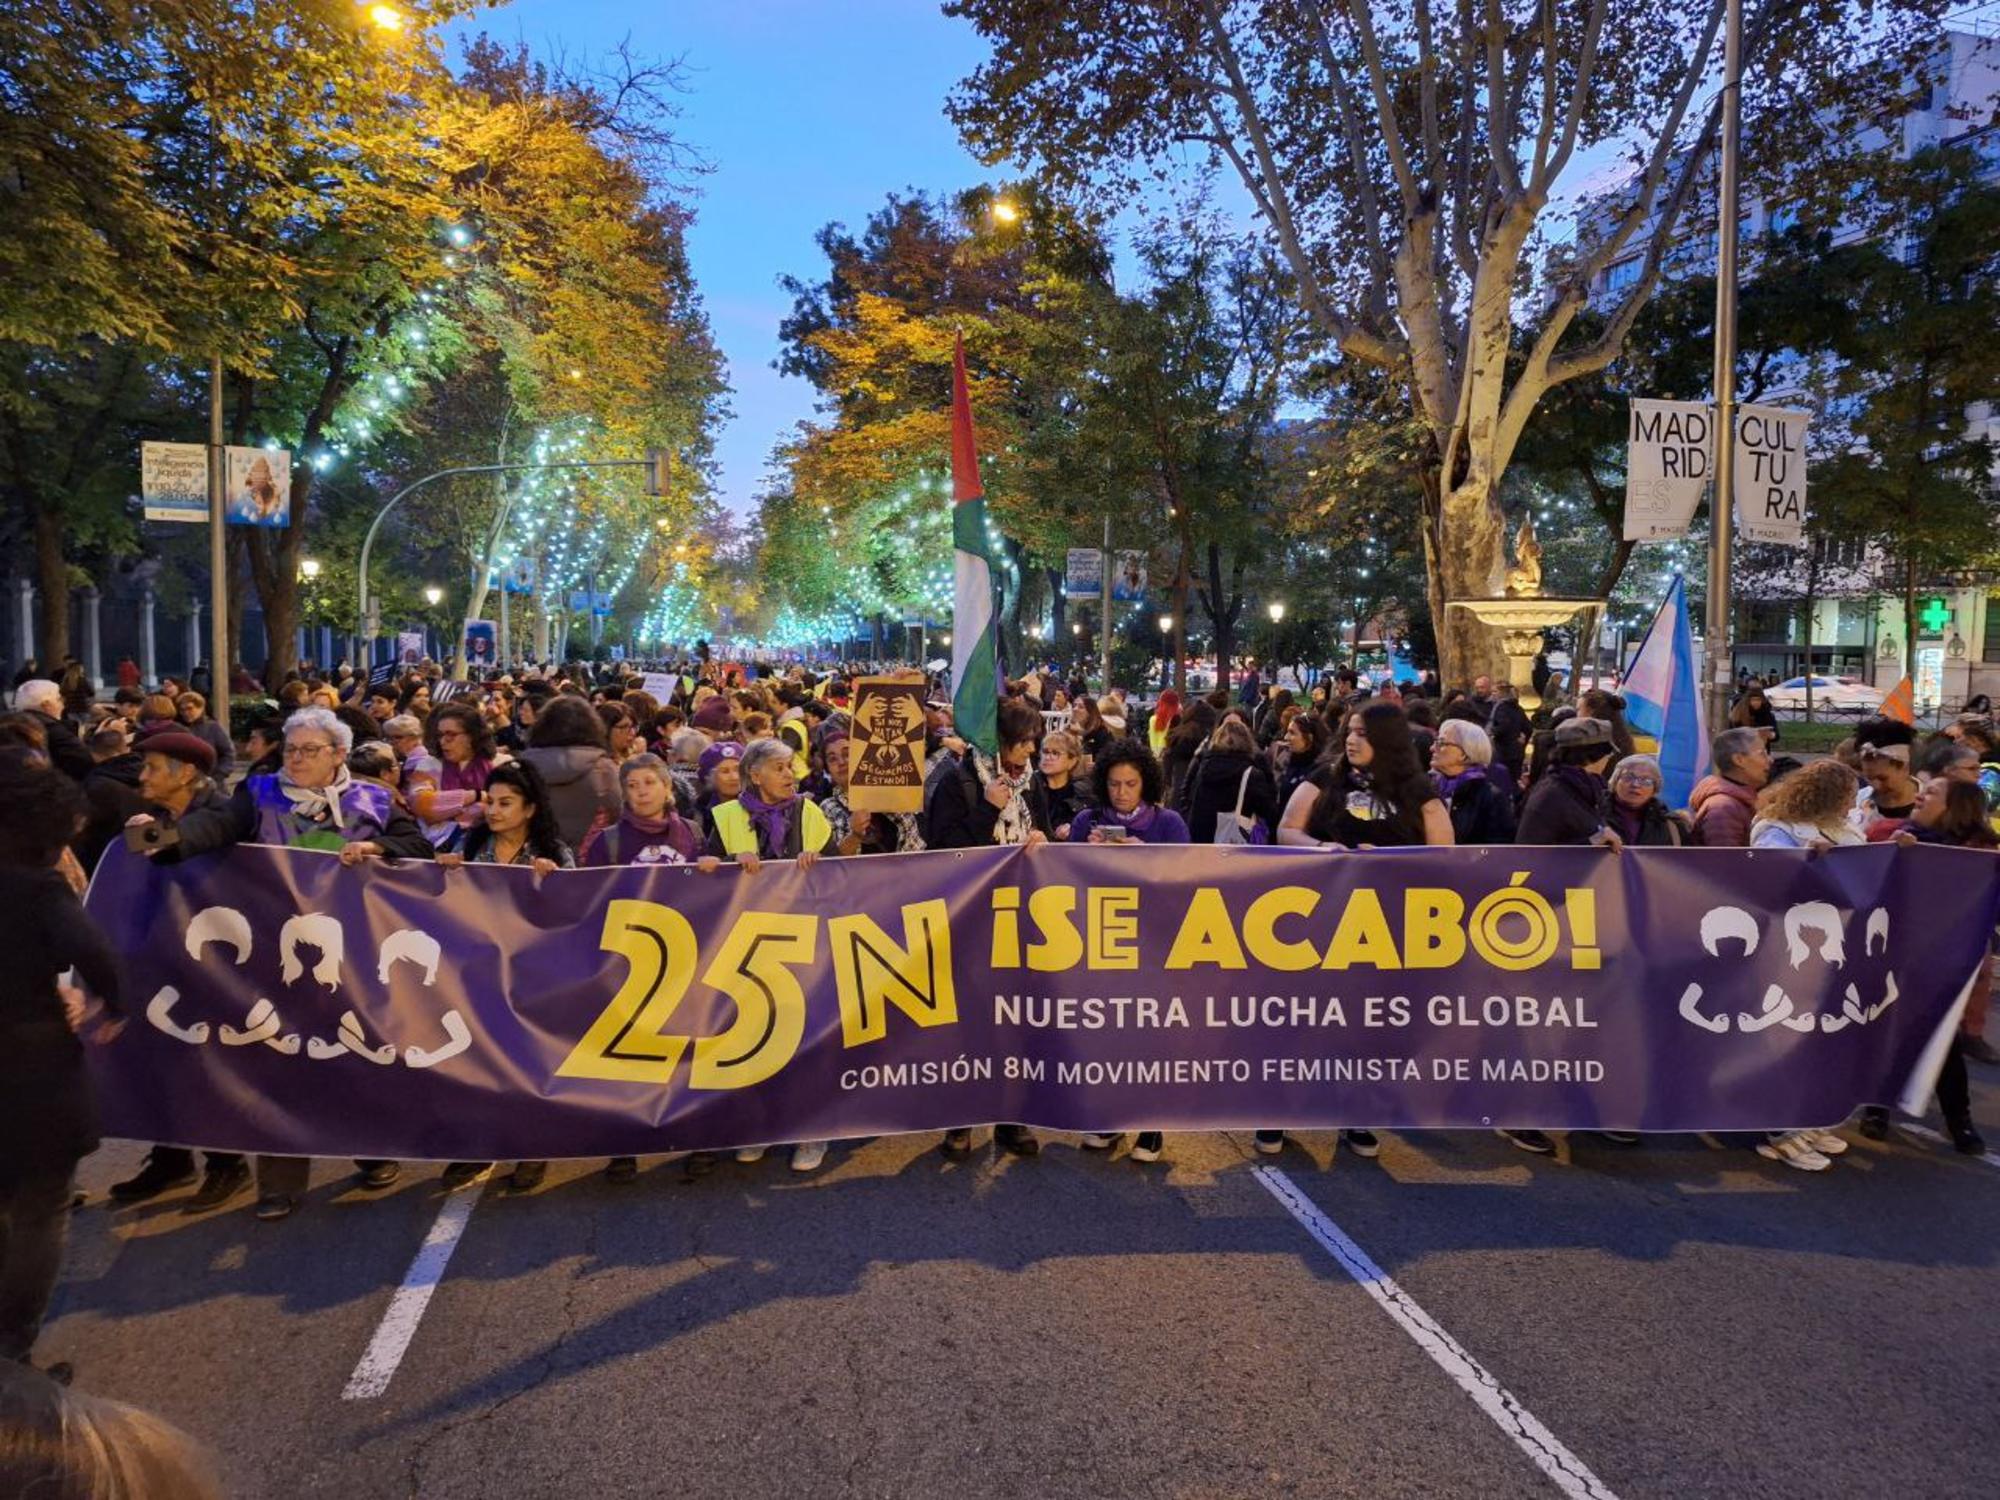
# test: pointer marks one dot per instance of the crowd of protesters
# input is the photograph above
(557, 768)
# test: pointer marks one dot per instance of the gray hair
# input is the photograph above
(1648, 763)
(761, 753)
(36, 691)
(326, 722)
(399, 725)
(1733, 744)
(1470, 738)
(646, 762)
(687, 745)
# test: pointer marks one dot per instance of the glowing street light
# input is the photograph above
(1166, 624)
(1276, 609)
(386, 18)
(309, 568)
(433, 596)
(1005, 212)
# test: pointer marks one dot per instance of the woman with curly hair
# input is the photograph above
(1129, 786)
(1808, 809)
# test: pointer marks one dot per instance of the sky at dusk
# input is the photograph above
(809, 111)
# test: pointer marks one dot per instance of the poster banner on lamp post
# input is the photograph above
(1771, 475)
(173, 481)
(1669, 457)
(284, 1003)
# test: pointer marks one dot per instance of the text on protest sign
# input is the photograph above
(420, 1012)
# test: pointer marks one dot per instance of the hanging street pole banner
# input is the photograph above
(1669, 457)
(1771, 475)
(284, 1003)
(1083, 572)
(173, 481)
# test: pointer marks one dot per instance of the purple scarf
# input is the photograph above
(1138, 820)
(1447, 786)
(771, 819)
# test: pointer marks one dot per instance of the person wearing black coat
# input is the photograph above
(1510, 732)
(1058, 791)
(50, 1122)
(1218, 778)
(44, 700)
(1481, 802)
(1566, 806)
(111, 795)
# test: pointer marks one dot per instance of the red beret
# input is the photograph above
(176, 744)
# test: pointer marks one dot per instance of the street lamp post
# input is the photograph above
(1166, 623)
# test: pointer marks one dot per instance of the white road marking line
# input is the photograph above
(1540, 1445)
(1991, 1158)
(406, 1309)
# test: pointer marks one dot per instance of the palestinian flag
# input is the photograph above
(975, 657)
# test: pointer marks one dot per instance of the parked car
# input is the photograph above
(1834, 695)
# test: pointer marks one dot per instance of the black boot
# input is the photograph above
(166, 1168)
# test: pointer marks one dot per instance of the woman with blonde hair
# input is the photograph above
(62, 1443)
(1808, 809)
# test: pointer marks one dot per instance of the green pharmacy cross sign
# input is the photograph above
(1934, 616)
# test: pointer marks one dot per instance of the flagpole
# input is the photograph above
(1721, 510)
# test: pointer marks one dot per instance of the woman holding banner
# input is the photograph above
(769, 819)
(1373, 794)
(1129, 786)
(314, 802)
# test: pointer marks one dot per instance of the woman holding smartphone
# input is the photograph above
(1129, 785)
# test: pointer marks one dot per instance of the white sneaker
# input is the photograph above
(1825, 1142)
(750, 1153)
(1792, 1149)
(1099, 1142)
(807, 1155)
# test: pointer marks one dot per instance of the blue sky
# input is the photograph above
(809, 111)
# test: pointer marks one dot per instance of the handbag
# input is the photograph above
(1234, 828)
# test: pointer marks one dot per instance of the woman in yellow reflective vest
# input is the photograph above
(769, 819)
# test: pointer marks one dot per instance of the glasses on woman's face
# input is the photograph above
(299, 750)
(1649, 783)
(451, 734)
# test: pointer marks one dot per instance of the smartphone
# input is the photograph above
(1116, 835)
(139, 837)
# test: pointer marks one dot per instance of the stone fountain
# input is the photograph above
(1525, 613)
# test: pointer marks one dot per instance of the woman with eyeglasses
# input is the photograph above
(1057, 791)
(1635, 810)
(314, 802)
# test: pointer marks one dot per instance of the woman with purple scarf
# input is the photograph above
(651, 830)
(768, 819)
(1129, 785)
(1462, 770)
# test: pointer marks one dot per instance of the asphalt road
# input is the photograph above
(1453, 1318)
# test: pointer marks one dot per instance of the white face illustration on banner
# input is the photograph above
(323, 934)
(1801, 924)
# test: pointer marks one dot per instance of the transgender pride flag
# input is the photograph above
(975, 658)
(1663, 698)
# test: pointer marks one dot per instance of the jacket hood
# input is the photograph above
(1719, 786)
(1224, 766)
(563, 765)
(123, 769)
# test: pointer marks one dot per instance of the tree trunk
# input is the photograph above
(52, 579)
(1221, 618)
(1469, 562)
(274, 564)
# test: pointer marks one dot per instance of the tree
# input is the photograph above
(1405, 162)
(1917, 476)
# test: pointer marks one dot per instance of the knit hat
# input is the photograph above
(714, 716)
(177, 744)
(715, 755)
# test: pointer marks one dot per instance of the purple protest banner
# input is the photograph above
(287, 1004)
